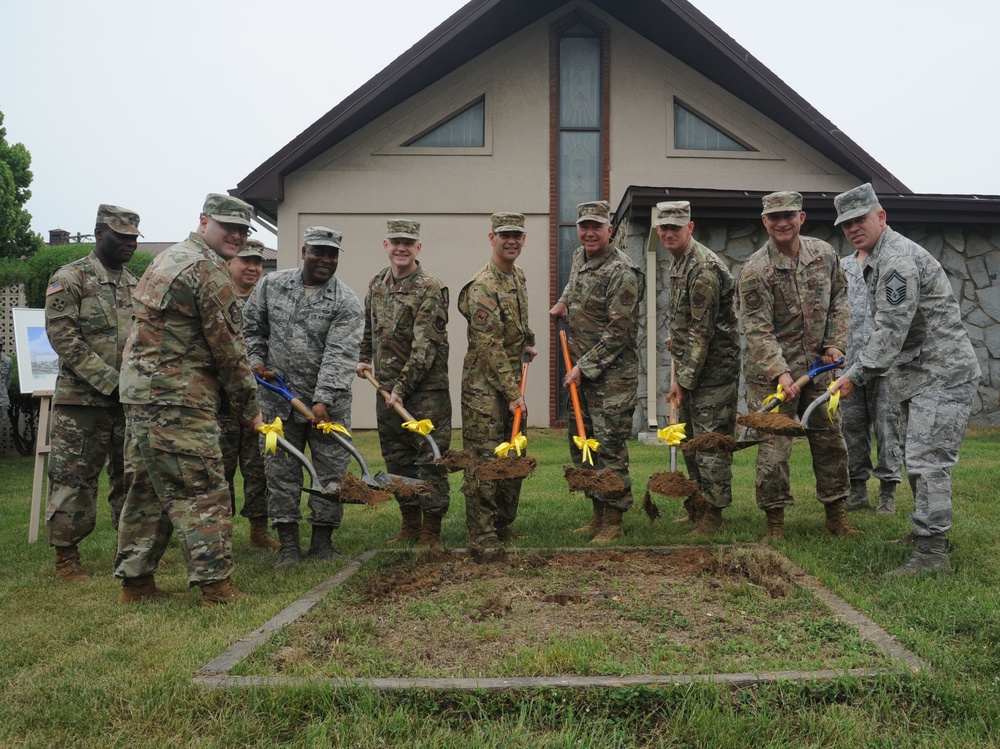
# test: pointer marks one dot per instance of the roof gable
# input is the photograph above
(675, 26)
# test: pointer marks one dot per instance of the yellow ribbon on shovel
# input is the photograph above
(780, 395)
(271, 433)
(424, 426)
(834, 403)
(326, 427)
(503, 449)
(586, 446)
(673, 435)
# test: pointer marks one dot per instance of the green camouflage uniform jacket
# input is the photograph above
(88, 317)
(406, 332)
(186, 346)
(310, 340)
(496, 305)
(603, 296)
(792, 310)
(705, 339)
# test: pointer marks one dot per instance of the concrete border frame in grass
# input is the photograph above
(217, 673)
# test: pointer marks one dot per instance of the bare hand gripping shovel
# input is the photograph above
(380, 480)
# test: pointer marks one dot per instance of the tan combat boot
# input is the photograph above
(611, 528)
(711, 521)
(68, 566)
(410, 531)
(595, 523)
(135, 589)
(775, 523)
(836, 520)
(259, 537)
(220, 593)
(430, 533)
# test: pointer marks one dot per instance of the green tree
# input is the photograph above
(16, 236)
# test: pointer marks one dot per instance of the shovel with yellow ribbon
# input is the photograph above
(274, 435)
(517, 440)
(339, 433)
(586, 446)
(832, 401)
(423, 427)
(670, 483)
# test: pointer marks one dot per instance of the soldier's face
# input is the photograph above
(783, 226)
(675, 238)
(114, 249)
(319, 263)
(594, 236)
(507, 246)
(402, 254)
(245, 272)
(863, 232)
(225, 238)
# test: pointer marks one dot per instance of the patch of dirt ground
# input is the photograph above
(581, 613)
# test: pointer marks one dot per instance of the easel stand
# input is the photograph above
(43, 446)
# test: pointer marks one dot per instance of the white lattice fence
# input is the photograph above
(10, 297)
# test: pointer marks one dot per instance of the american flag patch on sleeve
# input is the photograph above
(54, 288)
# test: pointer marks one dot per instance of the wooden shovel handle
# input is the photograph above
(398, 407)
(574, 395)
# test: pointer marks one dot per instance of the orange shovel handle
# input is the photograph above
(517, 412)
(574, 395)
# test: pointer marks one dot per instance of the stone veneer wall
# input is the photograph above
(969, 254)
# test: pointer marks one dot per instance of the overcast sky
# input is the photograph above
(153, 105)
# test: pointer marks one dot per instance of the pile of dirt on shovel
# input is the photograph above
(590, 480)
(406, 489)
(507, 467)
(355, 491)
(712, 442)
(772, 424)
(672, 484)
(456, 460)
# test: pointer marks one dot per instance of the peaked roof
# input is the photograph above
(676, 26)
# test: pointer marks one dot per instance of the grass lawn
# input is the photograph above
(80, 670)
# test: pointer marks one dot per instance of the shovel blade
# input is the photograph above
(382, 479)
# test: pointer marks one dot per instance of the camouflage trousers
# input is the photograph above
(489, 505)
(829, 452)
(704, 410)
(607, 410)
(409, 454)
(177, 484)
(872, 407)
(84, 440)
(934, 424)
(285, 474)
(241, 446)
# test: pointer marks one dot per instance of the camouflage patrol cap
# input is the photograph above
(402, 228)
(673, 213)
(320, 235)
(253, 248)
(781, 202)
(855, 203)
(118, 219)
(594, 210)
(227, 210)
(507, 222)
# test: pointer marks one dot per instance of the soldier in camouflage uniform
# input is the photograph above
(793, 303)
(601, 301)
(405, 347)
(88, 316)
(305, 324)
(918, 333)
(873, 407)
(495, 303)
(184, 350)
(240, 445)
(704, 344)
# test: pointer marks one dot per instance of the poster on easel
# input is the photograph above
(37, 362)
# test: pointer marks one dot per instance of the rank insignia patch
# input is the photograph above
(895, 289)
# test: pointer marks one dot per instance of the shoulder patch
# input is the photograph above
(627, 297)
(752, 300)
(480, 316)
(54, 288)
(895, 289)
